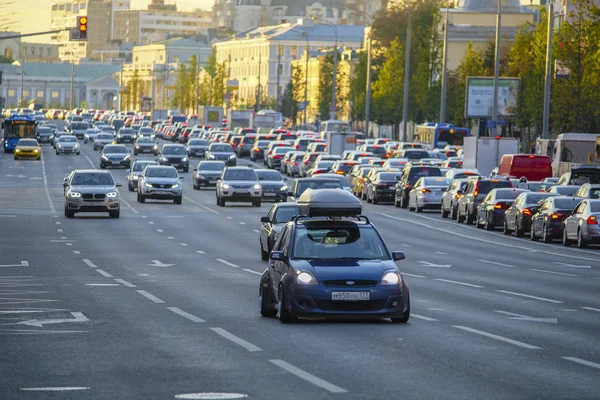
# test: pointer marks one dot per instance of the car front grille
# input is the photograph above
(91, 196)
(174, 160)
(357, 283)
(328, 305)
(161, 186)
(241, 186)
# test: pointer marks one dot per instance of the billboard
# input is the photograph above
(480, 97)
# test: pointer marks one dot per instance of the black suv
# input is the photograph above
(410, 175)
(474, 193)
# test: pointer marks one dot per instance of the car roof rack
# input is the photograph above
(298, 218)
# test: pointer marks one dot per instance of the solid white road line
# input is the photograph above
(159, 230)
(591, 309)
(201, 205)
(200, 252)
(227, 263)
(239, 341)
(417, 316)
(76, 252)
(330, 387)
(551, 272)
(46, 189)
(252, 272)
(497, 337)
(255, 231)
(460, 283)
(530, 296)
(413, 275)
(183, 244)
(7, 216)
(89, 263)
(496, 263)
(582, 362)
(54, 389)
(124, 282)
(104, 273)
(102, 284)
(189, 316)
(150, 296)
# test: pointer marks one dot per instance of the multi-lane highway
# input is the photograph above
(163, 303)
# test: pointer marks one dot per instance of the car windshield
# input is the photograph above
(221, 148)
(535, 198)
(285, 214)
(44, 130)
(269, 175)
(64, 139)
(416, 154)
(388, 176)
(566, 204)
(419, 172)
(173, 150)
(210, 166)
(139, 166)
(29, 142)
(126, 131)
(436, 181)
(324, 164)
(92, 179)
(246, 174)
(324, 184)
(282, 150)
(159, 172)
(487, 186)
(116, 149)
(146, 140)
(348, 241)
(198, 142)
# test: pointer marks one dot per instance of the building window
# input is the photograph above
(82, 6)
(8, 52)
(24, 50)
(40, 94)
(26, 93)
(11, 92)
(49, 51)
(55, 94)
(69, 7)
(294, 52)
(280, 69)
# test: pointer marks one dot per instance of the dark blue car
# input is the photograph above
(331, 262)
(491, 210)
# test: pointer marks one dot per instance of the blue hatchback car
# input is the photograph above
(331, 262)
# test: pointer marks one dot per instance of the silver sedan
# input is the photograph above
(427, 193)
(583, 224)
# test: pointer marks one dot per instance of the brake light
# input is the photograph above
(294, 164)
(339, 172)
(457, 196)
(425, 190)
(557, 215)
(306, 162)
(257, 150)
(276, 157)
(592, 220)
(500, 206)
(287, 161)
(407, 186)
(526, 211)
(476, 192)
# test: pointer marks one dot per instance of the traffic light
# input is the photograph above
(82, 24)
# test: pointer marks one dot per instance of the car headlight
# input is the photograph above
(135, 177)
(74, 194)
(232, 156)
(76, 146)
(60, 146)
(127, 157)
(175, 185)
(202, 176)
(138, 147)
(211, 156)
(184, 159)
(118, 136)
(111, 194)
(257, 187)
(391, 278)
(104, 158)
(148, 185)
(306, 278)
(155, 147)
(36, 150)
(225, 186)
(17, 150)
(284, 189)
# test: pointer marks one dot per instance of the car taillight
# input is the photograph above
(277, 157)
(407, 186)
(557, 215)
(339, 172)
(257, 150)
(297, 146)
(306, 162)
(592, 220)
(294, 164)
(475, 192)
(526, 211)
(457, 196)
(501, 206)
(425, 190)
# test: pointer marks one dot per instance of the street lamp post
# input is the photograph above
(406, 84)
(368, 88)
(444, 70)
(306, 78)
(18, 64)
(332, 108)
(497, 69)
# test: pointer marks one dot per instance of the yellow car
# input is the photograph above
(28, 148)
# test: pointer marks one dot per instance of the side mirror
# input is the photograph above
(398, 255)
(65, 184)
(459, 192)
(118, 185)
(195, 169)
(277, 256)
(261, 178)
(265, 220)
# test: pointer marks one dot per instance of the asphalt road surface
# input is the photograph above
(163, 303)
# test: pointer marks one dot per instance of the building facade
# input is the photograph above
(15, 49)
(50, 84)
(263, 56)
(159, 22)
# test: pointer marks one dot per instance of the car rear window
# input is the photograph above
(595, 206)
(285, 214)
(507, 194)
(415, 154)
(419, 172)
(566, 204)
(487, 186)
(535, 198)
(250, 139)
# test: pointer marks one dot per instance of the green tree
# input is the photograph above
(135, 91)
(193, 88)
(325, 87)
(388, 90)
(180, 98)
(218, 85)
(357, 93)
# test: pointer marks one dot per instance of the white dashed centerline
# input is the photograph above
(252, 272)
(330, 387)
(552, 272)
(183, 244)
(130, 207)
(150, 296)
(159, 230)
(417, 316)
(189, 316)
(124, 283)
(54, 389)
(497, 337)
(200, 252)
(76, 252)
(201, 205)
(237, 340)
(89, 263)
(255, 231)
(104, 273)
(496, 263)
(227, 263)
(582, 362)
(530, 296)
(460, 283)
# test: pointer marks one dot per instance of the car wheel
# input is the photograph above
(102, 166)
(418, 209)
(532, 234)
(403, 203)
(519, 230)
(546, 238)
(130, 187)
(443, 212)
(186, 169)
(264, 255)
(178, 200)
(470, 218)
(77, 153)
(404, 317)
(368, 199)
(57, 153)
(256, 203)
(285, 316)
(115, 214)
(196, 187)
(452, 212)
(505, 229)
(581, 243)
(488, 224)
(396, 202)
(459, 218)
(69, 214)
(142, 199)
(565, 239)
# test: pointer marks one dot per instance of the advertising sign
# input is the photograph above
(480, 97)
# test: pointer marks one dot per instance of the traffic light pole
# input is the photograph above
(32, 34)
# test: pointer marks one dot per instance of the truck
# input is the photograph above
(485, 153)
(238, 119)
(160, 115)
(210, 116)
(571, 149)
(262, 121)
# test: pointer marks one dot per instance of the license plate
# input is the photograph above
(351, 296)
(269, 194)
(392, 187)
(115, 162)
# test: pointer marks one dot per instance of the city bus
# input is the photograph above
(436, 136)
(17, 127)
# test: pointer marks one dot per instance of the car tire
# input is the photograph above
(77, 153)
(396, 203)
(404, 317)
(256, 203)
(285, 316)
(102, 166)
(115, 214)
(470, 219)
(565, 240)
(505, 229)
(418, 209)
(363, 196)
(69, 214)
(264, 255)
(459, 218)
(443, 212)
(178, 200)
(532, 234)
(488, 225)
(196, 187)
(403, 203)
(368, 199)
(374, 200)
(519, 231)
(57, 153)
(452, 215)
(545, 237)
(581, 243)
(142, 199)
(186, 169)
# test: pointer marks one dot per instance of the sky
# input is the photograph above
(34, 15)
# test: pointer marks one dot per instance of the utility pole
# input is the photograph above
(72, 82)
(497, 69)
(279, 51)
(120, 82)
(306, 80)
(444, 71)
(548, 81)
(332, 110)
(406, 84)
(258, 90)
(368, 89)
